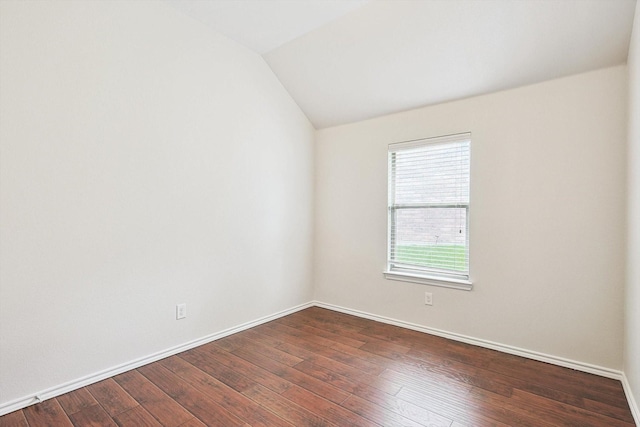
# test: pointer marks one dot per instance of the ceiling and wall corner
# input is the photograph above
(265, 25)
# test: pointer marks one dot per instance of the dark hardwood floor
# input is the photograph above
(322, 368)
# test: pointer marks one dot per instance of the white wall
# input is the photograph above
(632, 320)
(145, 161)
(547, 217)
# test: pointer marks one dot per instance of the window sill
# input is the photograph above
(444, 282)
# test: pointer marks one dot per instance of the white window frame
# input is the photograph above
(425, 276)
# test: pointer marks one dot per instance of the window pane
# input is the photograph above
(433, 238)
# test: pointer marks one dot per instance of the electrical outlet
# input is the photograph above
(181, 311)
(428, 298)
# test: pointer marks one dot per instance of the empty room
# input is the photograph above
(319, 213)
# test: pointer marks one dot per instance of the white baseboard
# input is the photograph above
(17, 404)
(554, 360)
(633, 405)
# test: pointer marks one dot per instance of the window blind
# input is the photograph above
(429, 206)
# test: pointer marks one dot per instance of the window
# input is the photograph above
(428, 236)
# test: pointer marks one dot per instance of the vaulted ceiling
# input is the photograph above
(349, 60)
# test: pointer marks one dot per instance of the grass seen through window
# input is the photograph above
(447, 257)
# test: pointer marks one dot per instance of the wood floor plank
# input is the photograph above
(92, 416)
(467, 409)
(262, 338)
(203, 407)
(333, 336)
(387, 349)
(76, 400)
(194, 422)
(14, 419)
(300, 341)
(400, 336)
(111, 396)
(508, 384)
(377, 362)
(420, 414)
(136, 417)
(318, 367)
(562, 379)
(322, 374)
(224, 374)
(334, 324)
(376, 413)
(451, 389)
(327, 315)
(337, 328)
(47, 413)
(359, 358)
(350, 384)
(442, 353)
(557, 412)
(232, 342)
(284, 408)
(272, 352)
(162, 407)
(256, 373)
(453, 361)
(461, 373)
(301, 379)
(235, 403)
(322, 407)
(294, 332)
(467, 353)
(366, 362)
(608, 410)
(360, 373)
(297, 350)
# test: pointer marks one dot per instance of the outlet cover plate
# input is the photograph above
(428, 298)
(181, 311)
